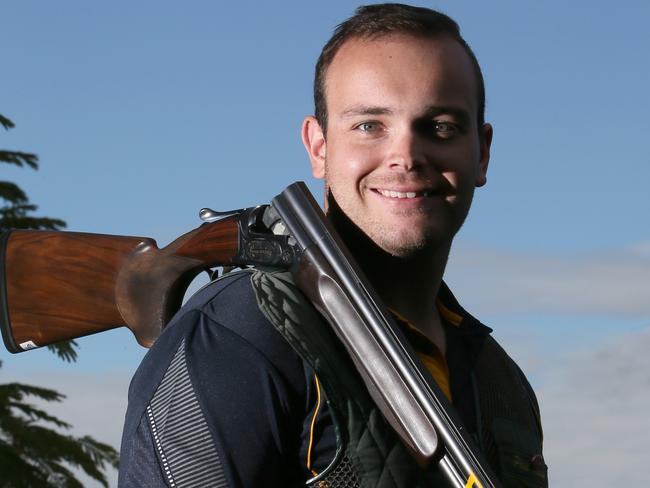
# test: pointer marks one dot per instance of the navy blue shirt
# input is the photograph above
(221, 399)
(248, 394)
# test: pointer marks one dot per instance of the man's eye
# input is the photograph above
(445, 130)
(368, 127)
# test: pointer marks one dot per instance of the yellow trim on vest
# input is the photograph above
(472, 482)
(447, 314)
(313, 423)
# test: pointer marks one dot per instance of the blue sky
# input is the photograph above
(144, 112)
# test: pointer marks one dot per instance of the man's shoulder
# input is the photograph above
(220, 324)
(228, 306)
(222, 367)
(233, 289)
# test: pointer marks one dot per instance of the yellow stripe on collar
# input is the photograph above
(434, 361)
(452, 317)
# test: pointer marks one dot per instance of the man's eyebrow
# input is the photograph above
(457, 112)
(432, 111)
(357, 110)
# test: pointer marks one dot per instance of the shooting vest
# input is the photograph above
(369, 454)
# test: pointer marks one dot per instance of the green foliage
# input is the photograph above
(14, 214)
(19, 158)
(35, 451)
(65, 350)
(15, 210)
(33, 454)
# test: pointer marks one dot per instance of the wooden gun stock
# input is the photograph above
(63, 285)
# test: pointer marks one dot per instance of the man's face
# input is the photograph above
(403, 152)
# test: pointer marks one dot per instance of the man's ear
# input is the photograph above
(314, 140)
(485, 141)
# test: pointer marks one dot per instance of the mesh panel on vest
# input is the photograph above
(343, 476)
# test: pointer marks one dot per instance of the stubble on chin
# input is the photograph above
(402, 236)
(399, 241)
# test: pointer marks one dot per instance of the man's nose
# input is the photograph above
(406, 152)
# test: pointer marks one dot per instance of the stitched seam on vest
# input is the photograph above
(181, 435)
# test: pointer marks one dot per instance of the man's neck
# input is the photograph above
(409, 286)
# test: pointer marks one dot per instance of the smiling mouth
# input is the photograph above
(403, 194)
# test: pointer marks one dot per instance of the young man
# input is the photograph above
(223, 399)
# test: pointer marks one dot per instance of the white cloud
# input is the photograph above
(612, 283)
(595, 411)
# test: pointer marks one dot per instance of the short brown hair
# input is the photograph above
(372, 21)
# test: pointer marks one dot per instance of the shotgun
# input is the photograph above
(90, 282)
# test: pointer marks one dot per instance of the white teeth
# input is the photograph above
(399, 194)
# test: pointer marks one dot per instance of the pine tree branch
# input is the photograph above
(65, 350)
(36, 414)
(60, 476)
(9, 220)
(18, 473)
(50, 449)
(42, 449)
(6, 123)
(19, 158)
(12, 192)
(18, 391)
